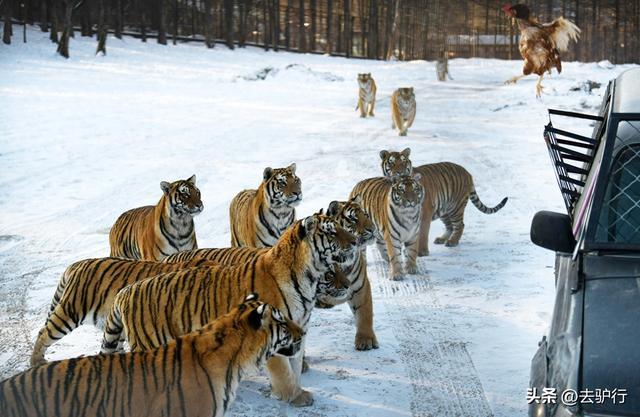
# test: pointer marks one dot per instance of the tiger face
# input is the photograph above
(364, 80)
(407, 191)
(283, 186)
(329, 241)
(395, 163)
(183, 196)
(285, 335)
(354, 219)
(333, 288)
(406, 94)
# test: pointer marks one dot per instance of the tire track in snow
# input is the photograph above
(443, 378)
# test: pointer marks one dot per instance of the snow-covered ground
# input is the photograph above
(84, 139)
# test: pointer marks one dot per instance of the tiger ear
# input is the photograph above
(384, 154)
(251, 297)
(417, 176)
(357, 199)
(268, 172)
(292, 168)
(309, 224)
(192, 179)
(165, 187)
(333, 209)
(255, 317)
(406, 152)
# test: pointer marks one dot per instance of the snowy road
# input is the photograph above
(85, 139)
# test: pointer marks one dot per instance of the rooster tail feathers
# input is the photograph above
(564, 31)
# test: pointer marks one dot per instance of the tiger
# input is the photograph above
(395, 207)
(258, 217)
(151, 233)
(366, 95)
(284, 276)
(355, 220)
(194, 375)
(448, 188)
(403, 109)
(86, 291)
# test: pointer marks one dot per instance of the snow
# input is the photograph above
(84, 139)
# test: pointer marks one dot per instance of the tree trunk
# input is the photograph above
(119, 17)
(143, 20)
(314, 27)
(329, 22)
(347, 27)
(287, 28)
(394, 30)
(63, 45)
(162, 29)
(85, 22)
(6, 35)
(102, 28)
(45, 10)
(176, 17)
(208, 25)
(302, 34)
(276, 24)
(228, 22)
(53, 34)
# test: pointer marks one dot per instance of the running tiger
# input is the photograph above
(284, 276)
(366, 95)
(356, 221)
(395, 206)
(403, 109)
(152, 233)
(86, 291)
(258, 217)
(448, 187)
(196, 375)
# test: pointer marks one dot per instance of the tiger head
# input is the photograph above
(395, 163)
(333, 288)
(364, 80)
(406, 94)
(183, 195)
(282, 186)
(284, 337)
(329, 242)
(354, 219)
(407, 191)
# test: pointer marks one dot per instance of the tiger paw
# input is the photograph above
(403, 134)
(439, 241)
(412, 268)
(366, 342)
(305, 365)
(424, 252)
(451, 244)
(396, 275)
(363, 115)
(304, 399)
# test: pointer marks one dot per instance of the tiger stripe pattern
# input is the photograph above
(403, 109)
(86, 291)
(259, 217)
(195, 375)
(152, 233)
(350, 216)
(366, 95)
(395, 207)
(448, 187)
(284, 276)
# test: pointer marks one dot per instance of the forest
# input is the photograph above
(374, 29)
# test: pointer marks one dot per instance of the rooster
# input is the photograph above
(540, 43)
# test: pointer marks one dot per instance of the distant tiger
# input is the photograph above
(152, 233)
(258, 217)
(403, 109)
(395, 206)
(353, 219)
(195, 375)
(285, 276)
(86, 291)
(448, 188)
(366, 95)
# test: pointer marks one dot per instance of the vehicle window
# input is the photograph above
(620, 216)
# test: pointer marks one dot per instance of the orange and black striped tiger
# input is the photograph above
(448, 188)
(152, 233)
(285, 276)
(353, 219)
(195, 375)
(394, 204)
(86, 291)
(259, 217)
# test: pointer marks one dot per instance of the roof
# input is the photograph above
(627, 93)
